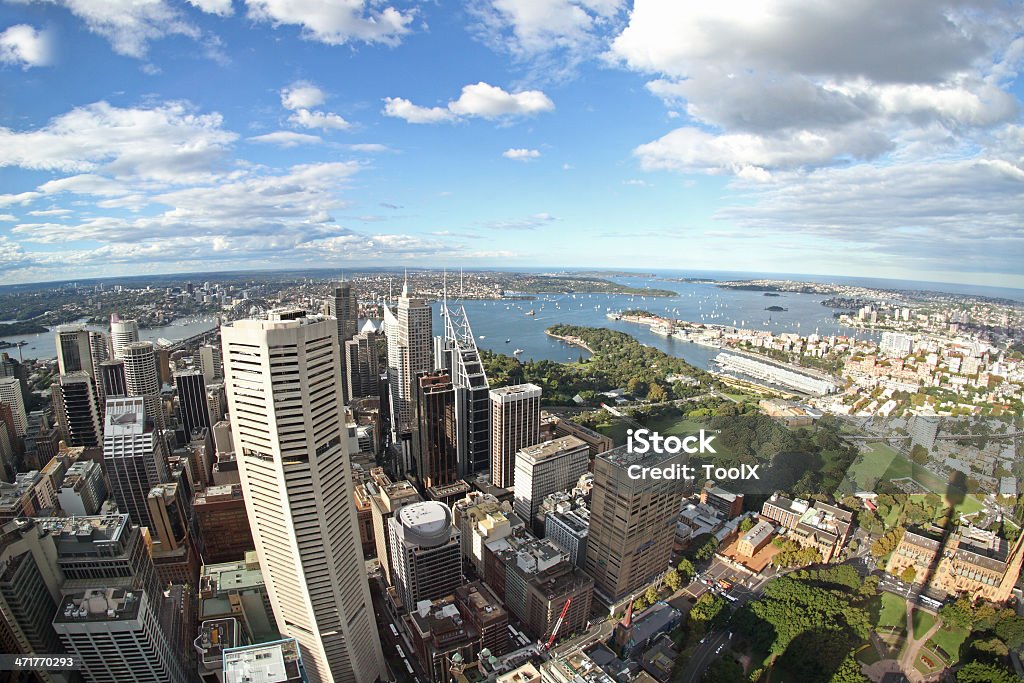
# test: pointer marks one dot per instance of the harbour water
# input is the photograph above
(494, 322)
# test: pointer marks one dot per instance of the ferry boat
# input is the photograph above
(531, 312)
(517, 352)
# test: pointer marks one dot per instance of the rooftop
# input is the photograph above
(550, 449)
(99, 604)
(275, 662)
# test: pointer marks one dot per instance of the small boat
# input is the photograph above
(517, 352)
(483, 336)
(507, 341)
(531, 312)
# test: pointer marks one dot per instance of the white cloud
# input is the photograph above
(25, 46)
(336, 22)
(8, 218)
(401, 108)
(553, 35)
(50, 212)
(318, 120)
(169, 143)
(477, 100)
(369, 148)
(129, 25)
(782, 84)
(529, 223)
(221, 8)
(286, 139)
(302, 95)
(520, 154)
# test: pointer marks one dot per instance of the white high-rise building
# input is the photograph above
(409, 332)
(141, 378)
(545, 468)
(10, 393)
(122, 333)
(283, 383)
(74, 350)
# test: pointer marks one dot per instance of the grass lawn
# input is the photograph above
(868, 655)
(616, 429)
(922, 622)
(872, 464)
(673, 426)
(950, 640)
(893, 612)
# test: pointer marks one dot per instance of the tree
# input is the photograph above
(849, 672)
(651, 596)
(1011, 629)
(634, 386)
(656, 393)
(978, 672)
(723, 670)
(707, 607)
(746, 525)
(639, 604)
(909, 574)
(686, 570)
(672, 579)
(707, 550)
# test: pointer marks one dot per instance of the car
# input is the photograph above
(719, 649)
(702, 640)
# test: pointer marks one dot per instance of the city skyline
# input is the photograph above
(656, 135)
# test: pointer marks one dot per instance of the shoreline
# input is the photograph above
(571, 341)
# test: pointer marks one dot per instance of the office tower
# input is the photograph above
(122, 333)
(111, 376)
(632, 522)
(134, 457)
(10, 394)
(99, 348)
(210, 362)
(543, 469)
(362, 367)
(174, 555)
(223, 523)
(386, 498)
(426, 553)
(141, 379)
(409, 331)
(460, 356)
(83, 490)
(344, 307)
(78, 414)
(216, 401)
(192, 401)
(434, 436)
(162, 356)
(74, 350)
(568, 526)
(118, 636)
(283, 382)
(515, 424)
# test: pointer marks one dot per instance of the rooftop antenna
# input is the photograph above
(460, 282)
(405, 284)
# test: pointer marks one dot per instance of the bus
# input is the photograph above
(394, 631)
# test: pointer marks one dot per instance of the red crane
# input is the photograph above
(558, 624)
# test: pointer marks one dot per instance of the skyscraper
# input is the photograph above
(192, 401)
(122, 333)
(409, 333)
(426, 554)
(78, 413)
(515, 424)
(543, 469)
(134, 455)
(345, 309)
(210, 362)
(10, 394)
(74, 350)
(140, 378)
(460, 356)
(632, 522)
(362, 368)
(283, 382)
(111, 376)
(434, 431)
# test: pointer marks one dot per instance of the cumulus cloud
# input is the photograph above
(169, 142)
(221, 8)
(318, 120)
(302, 95)
(335, 23)
(553, 36)
(129, 25)
(25, 46)
(286, 139)
(520, 154)
(751, 77)
(477, 100)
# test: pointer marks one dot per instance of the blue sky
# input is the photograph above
(827, 138)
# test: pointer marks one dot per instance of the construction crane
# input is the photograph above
(558, 624)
